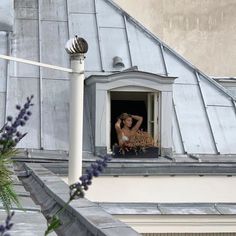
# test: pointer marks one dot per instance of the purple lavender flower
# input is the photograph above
(25, 118)
(18, 134)
(9, 134)
(7, 226)
(77, 189)
(22, 123)
(18, 107)
(9, 118)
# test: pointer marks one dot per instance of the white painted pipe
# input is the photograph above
(76, 117)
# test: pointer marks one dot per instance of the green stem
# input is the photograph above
(63, 208)
(67, 203)
(55, 221)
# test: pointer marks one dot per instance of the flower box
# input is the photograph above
(149, 152)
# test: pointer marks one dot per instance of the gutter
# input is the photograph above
(81, 217)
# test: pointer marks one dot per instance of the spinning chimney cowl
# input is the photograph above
(76, 45)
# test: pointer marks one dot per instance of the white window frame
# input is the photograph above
(155, 109)
(108, 133)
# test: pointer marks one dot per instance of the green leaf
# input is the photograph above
(54, 224)
(8, 196)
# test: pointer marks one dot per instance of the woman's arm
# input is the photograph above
(117, 127)
(119, 132)
(139, 122)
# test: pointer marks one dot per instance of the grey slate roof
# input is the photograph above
(40, 32)
(170, 208)
(6, 15)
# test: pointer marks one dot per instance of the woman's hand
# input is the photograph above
(117, 124)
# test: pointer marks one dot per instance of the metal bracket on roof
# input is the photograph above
(170, 158)
(195, 157)
(133, 68)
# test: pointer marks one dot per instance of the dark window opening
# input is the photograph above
(130, 102)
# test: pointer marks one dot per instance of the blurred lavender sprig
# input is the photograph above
(10, 135)
(77, 189)
(7, 226)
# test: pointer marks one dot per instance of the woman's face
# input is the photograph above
(128, 122)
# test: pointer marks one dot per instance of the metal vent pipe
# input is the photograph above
(76, 47)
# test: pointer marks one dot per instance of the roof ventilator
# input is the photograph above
(118, 62)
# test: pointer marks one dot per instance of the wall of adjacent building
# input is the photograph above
(178, 189)
(203, 31)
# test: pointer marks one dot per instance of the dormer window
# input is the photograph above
(135, 92)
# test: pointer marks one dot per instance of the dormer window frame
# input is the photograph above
(130, 81)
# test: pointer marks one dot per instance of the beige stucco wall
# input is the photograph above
(203, 31)
(163, 189)
(181, 225)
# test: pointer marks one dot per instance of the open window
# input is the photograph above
(144, 104)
